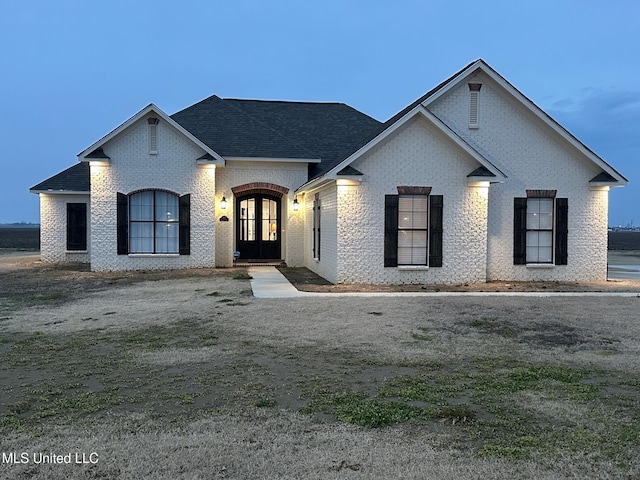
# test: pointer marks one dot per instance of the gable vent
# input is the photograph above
(153, 135)
(474, 104)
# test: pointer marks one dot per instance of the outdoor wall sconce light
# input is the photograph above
(296, 205)
(223, 203)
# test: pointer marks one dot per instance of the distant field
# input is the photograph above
(21, 238)
(624, 240)
(29, 238)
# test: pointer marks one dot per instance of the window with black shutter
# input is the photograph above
(153, 222)
(76, 226)
(540, 229)
(413, 229)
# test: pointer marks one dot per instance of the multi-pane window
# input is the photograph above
(412, 229)
(153, 222)
(539, 230)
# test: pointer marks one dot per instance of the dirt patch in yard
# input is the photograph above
(185, 374)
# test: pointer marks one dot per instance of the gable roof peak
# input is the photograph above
(151, 108)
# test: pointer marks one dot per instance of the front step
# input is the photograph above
(250, 262)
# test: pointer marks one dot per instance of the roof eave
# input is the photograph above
(51, 191)
(272, 159)
(314, 184)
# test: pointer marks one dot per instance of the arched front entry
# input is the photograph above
(258, 227)
(258, 220)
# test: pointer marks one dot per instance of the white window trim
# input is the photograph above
(412, 268)
(154, 255)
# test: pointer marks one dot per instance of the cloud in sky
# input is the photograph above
(608, 122)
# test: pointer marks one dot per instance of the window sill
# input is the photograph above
(412, 268)
(71, 252)
(540, 265)
(153, 255)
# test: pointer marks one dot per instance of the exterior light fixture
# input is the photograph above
(296, 205)
(223, 203)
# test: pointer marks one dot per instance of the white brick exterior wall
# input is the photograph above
(416, 155)
(133, 168)
(477, 221)
(53, 228)
(327, 265)
(285, 174)
(533, 157)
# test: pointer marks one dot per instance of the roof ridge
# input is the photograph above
(298, 102)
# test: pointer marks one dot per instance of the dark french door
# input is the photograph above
(258, 227)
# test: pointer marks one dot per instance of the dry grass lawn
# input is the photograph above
(185, 375)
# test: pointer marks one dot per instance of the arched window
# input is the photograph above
(153, 222)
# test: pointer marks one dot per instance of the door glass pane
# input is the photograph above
(269, 220)
(248, 219)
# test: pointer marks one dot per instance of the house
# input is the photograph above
(472, 182)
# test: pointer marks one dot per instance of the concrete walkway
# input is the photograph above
(268, 282)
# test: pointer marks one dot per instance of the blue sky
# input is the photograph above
(72, 70)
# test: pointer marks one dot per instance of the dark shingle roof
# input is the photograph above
(73, 179)
(278, 129)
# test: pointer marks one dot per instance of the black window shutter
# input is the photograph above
(184, 235)
(318, 251)
(391, 230)
(123, 224)
(76, 226)
(562, 230)
(520, 231)
(435, 231)
(315, 226)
